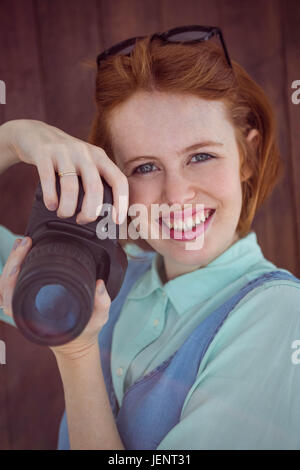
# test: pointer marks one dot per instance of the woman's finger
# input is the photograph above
(69, 190)
(65, 162)
(1, 296)
(9, 263)
(15, 258)
(116, 179)
(93, 189)
(102, 303)
(48, 182)
(9, 289)
(11, 271)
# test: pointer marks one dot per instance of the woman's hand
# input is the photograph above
(52, 150)
(81, 345)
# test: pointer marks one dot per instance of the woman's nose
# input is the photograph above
(178, 189)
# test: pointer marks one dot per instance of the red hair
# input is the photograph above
(200, 70)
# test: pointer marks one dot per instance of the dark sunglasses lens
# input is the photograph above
(188, 36)
(183, 36)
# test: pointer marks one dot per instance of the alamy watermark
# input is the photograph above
(2, 92)
(295, 357)
(296, 94)
(188, 226)
(2, 352)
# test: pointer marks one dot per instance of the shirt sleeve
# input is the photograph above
(7, 239)
(246, 395)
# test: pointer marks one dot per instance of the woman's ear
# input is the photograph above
(253, 139)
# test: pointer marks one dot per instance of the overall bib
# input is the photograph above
(152, 406)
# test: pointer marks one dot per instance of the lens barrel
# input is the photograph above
(54, 295)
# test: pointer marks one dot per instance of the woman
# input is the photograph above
(196, 350)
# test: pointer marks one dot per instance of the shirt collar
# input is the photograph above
(195, 287)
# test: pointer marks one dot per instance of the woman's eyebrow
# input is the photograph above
(208, 143)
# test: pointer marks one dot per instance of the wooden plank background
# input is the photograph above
(42, 43)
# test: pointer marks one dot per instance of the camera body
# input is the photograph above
(54, 295)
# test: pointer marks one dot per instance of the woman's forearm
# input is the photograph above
(8, 155)
(90, 419)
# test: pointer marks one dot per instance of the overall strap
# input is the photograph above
(134, 271)
(152, 406)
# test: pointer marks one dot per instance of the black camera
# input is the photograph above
(54, 295)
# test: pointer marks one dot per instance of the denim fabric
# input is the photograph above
(152, 406)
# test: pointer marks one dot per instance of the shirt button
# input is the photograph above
(156, 322)
(120, 371)
(163, 294)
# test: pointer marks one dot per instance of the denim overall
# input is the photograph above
(152, 406)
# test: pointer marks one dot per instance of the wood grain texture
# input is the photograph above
(68, 33)
(5, 437)
(34, 395)
(20, 69)
(42, 46)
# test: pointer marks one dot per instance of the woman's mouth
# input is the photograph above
(189, 229)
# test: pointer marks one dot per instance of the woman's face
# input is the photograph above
(160, 126)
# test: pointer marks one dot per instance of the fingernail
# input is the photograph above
(52, 207)
(24, 242)
(100, 289)
(16, 244)
(14, 270)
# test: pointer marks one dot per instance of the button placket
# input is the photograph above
(158, 317)
(151, 331)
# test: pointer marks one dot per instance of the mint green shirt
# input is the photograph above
(246, 394)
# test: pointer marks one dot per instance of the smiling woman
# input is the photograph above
(185, 128)
(195, 351)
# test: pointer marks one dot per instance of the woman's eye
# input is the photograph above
(147, 167)
(142, 169)
(204, 157)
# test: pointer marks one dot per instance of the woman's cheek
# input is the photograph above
(141, 193)
(227, 185)
(140, 199)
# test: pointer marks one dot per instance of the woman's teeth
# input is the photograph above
(189, 223)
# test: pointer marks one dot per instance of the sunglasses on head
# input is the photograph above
(181, 34)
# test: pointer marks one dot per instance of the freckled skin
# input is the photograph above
(162, 125)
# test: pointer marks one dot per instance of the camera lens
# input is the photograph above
(54, 295)
(51, 309)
